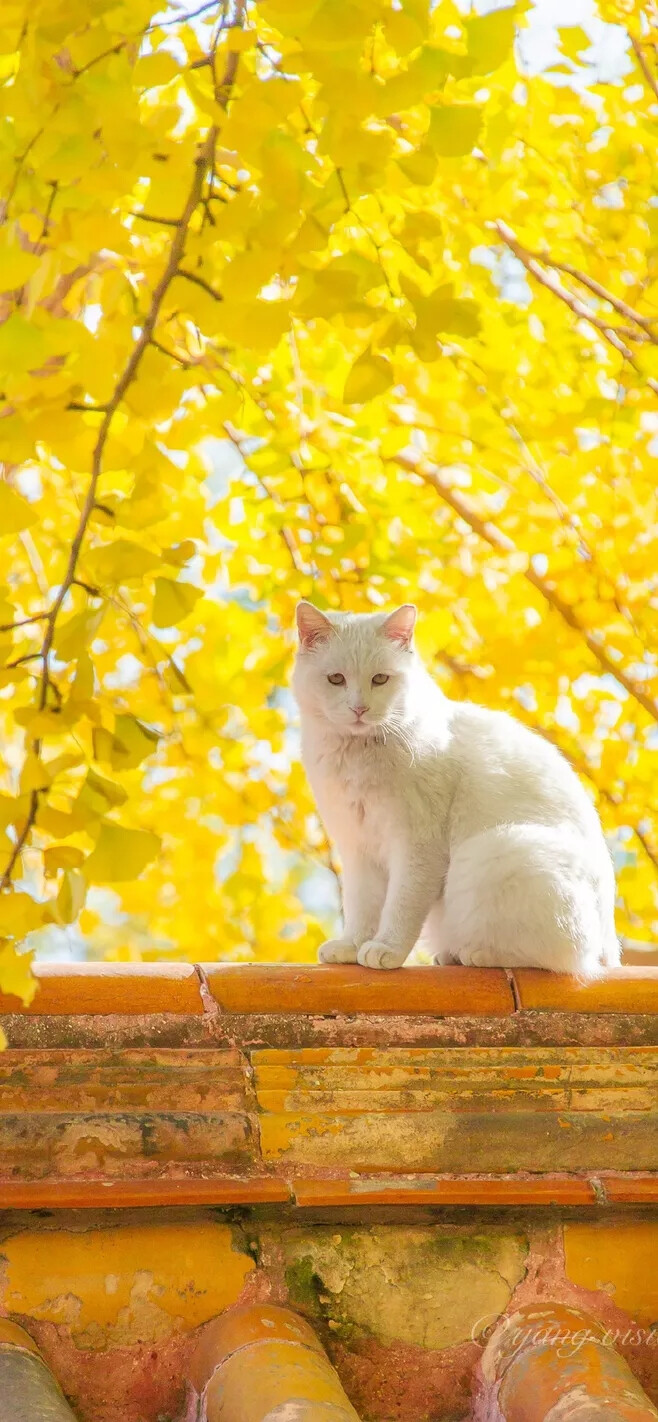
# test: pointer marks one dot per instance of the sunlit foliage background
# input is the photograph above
(355, 300)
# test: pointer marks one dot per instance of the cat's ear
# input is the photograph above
(312, 625)
(399, 627)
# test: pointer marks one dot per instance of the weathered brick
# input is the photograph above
(444, 1190)
(129, 989)
(151, 1078)
(621, 990)
(119, 1144)
(450, 991)
(464, 1141)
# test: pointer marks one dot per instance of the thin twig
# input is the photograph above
(171, 355)
(86, 409)
(567, 519)
(161, 221)
(24, 621)
(105, 54)
(26, 657)
(548, 280)
(129, 372)
(86, 587)
(186, 15)
(199, 281)
(286, 533)
(651, 79)
(20, 842)
(647, 323)
(19, 161)
(48, 212)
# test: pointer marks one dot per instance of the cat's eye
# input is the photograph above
(379, 679)
(336, 679)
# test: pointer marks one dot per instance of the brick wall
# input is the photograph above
(403, 1158)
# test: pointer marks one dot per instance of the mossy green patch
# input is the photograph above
(419, 1285)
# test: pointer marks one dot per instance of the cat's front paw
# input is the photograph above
(337, 950)
(376, 954)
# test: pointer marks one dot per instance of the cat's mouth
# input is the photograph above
(363, 728)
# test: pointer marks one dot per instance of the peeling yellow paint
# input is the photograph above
(280, 1133)
(124, 1285)
(616, 1259)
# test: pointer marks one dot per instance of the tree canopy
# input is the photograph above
(350, 300)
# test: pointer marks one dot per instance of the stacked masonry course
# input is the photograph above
(405, 1159)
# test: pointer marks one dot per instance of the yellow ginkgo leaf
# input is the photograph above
(15, 511)
(152, 70)
(173, 602)
(98, 794)
(17, 264)
(61, 856)
(121, 562)
(19, 914)
(120, 854)
(71, 897)
(454, 129)
(573, 40)
(131, 743)
(490, 38)
(75, 635)
(15, 973)
(370, 375)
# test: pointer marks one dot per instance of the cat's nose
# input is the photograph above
(359, 711)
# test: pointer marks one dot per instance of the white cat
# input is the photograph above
(451, 821)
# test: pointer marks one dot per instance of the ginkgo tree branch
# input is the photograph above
(638, 51)
(551, 282)
(492, 535)
(126, 378)
(23, 622)
(647, 323)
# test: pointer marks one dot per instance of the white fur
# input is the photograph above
(451, 820)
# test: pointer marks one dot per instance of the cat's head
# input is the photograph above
(353, 669)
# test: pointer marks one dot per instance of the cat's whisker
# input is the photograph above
(403, 736)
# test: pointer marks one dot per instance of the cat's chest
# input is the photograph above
(357, 790)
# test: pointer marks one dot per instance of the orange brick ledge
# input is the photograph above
(490, 1190)
(103, 989)
(315, 1193)
(135, 989)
